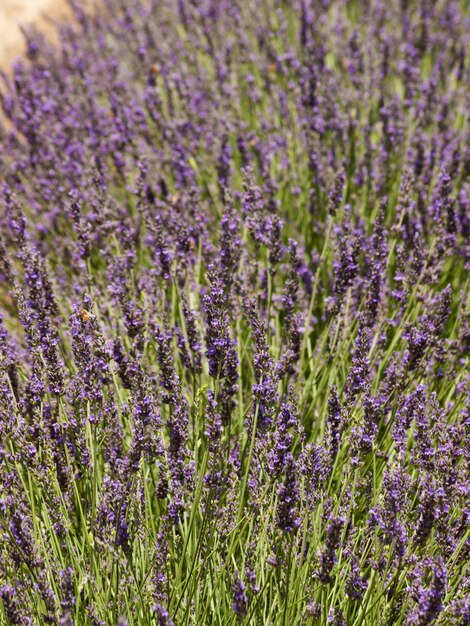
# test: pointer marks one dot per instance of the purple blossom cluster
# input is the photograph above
(234, 331)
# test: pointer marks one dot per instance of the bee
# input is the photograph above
(155, 69)
(85, 315)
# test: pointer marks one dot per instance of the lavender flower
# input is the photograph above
(428, 598)
(327, 555)
(240, 602)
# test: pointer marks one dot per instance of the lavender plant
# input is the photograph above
(234, 337)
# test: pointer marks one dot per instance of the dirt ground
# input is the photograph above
(15, 13)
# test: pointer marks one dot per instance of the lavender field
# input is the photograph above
(234, 295)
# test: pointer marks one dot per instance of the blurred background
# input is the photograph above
(14, 13)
